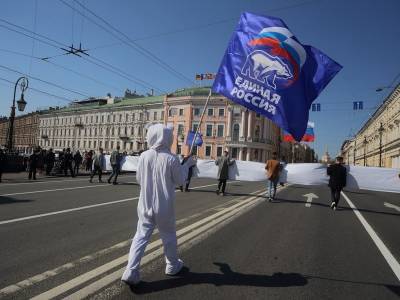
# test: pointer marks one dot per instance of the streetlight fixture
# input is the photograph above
(380, 130)
(365, 146)
(21, 103)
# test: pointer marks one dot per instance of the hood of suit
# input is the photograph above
(159, 137)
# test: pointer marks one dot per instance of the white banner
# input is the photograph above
(358, 177)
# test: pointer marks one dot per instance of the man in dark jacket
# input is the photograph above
(77, 162)
(223, 164)
(99, 162)
(115, 161)
(337, 180)
(68, 158)
(50, 158)
(33, 164)
(3, 160)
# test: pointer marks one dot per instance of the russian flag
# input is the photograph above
(307, 137)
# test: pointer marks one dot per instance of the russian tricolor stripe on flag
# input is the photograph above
(307, 137)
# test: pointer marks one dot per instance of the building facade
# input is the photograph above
(105, 123)
(225, 126)
(377, 143)
(26, 128)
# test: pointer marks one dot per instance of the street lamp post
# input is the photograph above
(365, 146)
(380, 130)
(21, 106)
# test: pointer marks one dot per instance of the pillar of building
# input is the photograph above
(243, 124)
(250, 126)
(229, 123)
(263, 155)
(265, 129)
(240, 153)
(248, 154)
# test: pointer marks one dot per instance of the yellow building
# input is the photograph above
(377, 143)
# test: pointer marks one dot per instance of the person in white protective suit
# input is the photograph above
(158, 173)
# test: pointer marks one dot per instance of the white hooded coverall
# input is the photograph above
(158, 173)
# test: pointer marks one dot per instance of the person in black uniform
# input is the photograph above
(337, 180)
(33, 164)
(68, 158)
(50, 158)
(3, 160)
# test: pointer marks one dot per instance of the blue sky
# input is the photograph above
(191, 37)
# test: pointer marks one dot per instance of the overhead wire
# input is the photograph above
(129, 42)
(56, 44)
(44, 81)
(39, 91)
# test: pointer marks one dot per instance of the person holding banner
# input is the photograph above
(158, 173)
(223, 164)
(272, 167)
(337, 180)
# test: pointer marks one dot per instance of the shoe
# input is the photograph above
(222, 194)
(269, 199)
(187, 190)
(332, 204)
(217, 191)
(334, 207)
(173, 270)
(115, 183)
(109, 181)
(101, 181)
(91, 181)
(130, 277)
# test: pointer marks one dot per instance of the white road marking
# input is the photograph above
(54, 180)
(185, 234)
(51, 273)
(65, 211)
(56, 190)
(310, 197)
(390, 205)
(390, 259)
(79, 208)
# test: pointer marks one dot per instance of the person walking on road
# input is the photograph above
(50, 158)
(77, 162)
(337, 180)
(223, 164)
(191, 161)
(68, 158)
(3, 160)
(33, 164)
(115, 160)
(158, 173)
(272, 168)
(98, 165)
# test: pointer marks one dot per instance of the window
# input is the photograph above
(210, 112)
(94, 144)
(91, 119)
(196, 111)
(126, 117)
(209, 129)
(97, 119)
(113, 118)
(219, 151)
(180, 129)
(147, 116)
(235, 153)
(84, 144)
(179, 149)
(162, 115)
(181, 111)
(235, 136)
(155, 115)
(221, 112)
(90, 144)
(208, 151)
(220, 130)
(102, 119)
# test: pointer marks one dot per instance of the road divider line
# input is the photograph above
(80, 208)
(184, 235)
(51, 273)
(56, 190)
(390, 259)
(54, 180)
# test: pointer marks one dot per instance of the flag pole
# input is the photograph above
(201, 120)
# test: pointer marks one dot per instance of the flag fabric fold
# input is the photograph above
(266, 69)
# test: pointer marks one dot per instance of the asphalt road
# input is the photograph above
(69, 238)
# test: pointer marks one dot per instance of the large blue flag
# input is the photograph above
(266, 69)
